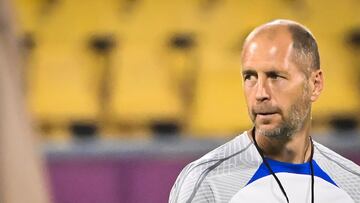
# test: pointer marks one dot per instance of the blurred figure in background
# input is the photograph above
(21, 173)
(277, 158)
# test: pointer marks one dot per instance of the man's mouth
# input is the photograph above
(265, 114)
(265, 111)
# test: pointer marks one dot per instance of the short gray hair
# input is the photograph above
(305, 47)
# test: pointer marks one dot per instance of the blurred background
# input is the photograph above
(124, 93)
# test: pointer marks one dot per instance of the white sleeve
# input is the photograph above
(191, 186)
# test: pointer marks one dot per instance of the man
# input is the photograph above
(275, 161)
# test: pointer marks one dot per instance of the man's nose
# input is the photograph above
(262, 91)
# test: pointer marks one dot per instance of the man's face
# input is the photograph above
(276, 89)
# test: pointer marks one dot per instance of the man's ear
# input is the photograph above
(317, 81)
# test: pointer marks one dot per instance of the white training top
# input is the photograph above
(235, 172)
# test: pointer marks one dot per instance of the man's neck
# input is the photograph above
(294, 149)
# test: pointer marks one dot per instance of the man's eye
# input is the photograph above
(274, 76)
(247, 77)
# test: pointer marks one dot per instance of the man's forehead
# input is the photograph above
(267, 51)
(266, 55)
(274, 39)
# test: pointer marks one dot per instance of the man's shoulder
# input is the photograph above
(344, 172)
(324, 155)
(233, 149)
(223, 162)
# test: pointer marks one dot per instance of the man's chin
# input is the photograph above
(268, 130)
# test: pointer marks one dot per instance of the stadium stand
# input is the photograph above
(149, 82)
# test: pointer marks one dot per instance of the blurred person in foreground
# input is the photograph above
(276, 160)
(22, 178)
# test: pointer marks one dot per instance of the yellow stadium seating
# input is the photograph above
(148, 76)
